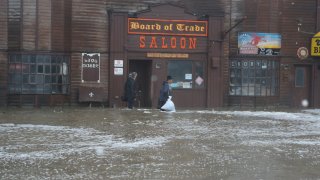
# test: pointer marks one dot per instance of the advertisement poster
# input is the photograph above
(90, 67)
(259, 43)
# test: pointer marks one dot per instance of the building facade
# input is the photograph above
(220, 53)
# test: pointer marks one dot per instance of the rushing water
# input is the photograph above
(97, 143)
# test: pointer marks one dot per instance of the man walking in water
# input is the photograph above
(165, 92)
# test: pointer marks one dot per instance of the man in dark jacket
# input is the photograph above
(129, 90)
(165, 92)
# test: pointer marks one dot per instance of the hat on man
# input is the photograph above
(133, 75)
(169, 78)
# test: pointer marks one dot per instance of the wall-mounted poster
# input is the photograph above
(90, 67)
(259, 43)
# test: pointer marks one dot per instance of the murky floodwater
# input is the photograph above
(97, 143)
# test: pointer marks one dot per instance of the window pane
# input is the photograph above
(33, 68)
(47, 89)
(53, 69)
(181, 71)
(12, 68)
(32, 79)
(25, 78)
(39, 79)
(40, 69)
(46, 59)
(54, 79)
(300, 76)
(37, 74)
(33, 89)
(47, 79)
(199, 75)
(25, 58)
(47, 69)
(39, 89)
(33, 58)
(40, 59)
(26, 68)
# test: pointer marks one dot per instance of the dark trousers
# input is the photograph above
(130, 103)
(160, 104)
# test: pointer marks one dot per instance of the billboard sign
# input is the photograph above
(252, 43)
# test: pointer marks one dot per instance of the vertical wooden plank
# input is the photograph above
(3, 53)
(89, 26)
(28, 25)
(14, 24)
(318, 15)
(215, 88)
(118, 39)
(3, 25)
(3, 49)
(44, 24)
(58, 23)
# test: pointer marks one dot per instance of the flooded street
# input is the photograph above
(101, 143)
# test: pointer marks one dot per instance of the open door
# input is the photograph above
(143, 81)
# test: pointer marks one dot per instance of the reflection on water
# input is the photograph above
(97, 143)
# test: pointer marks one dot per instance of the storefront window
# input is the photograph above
(186, 74)
(254, 77)
(38, 74)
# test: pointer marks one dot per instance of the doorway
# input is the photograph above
(302, 86)
(143, 81)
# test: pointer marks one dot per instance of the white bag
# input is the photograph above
(169, 105)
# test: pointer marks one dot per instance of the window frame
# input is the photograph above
(29, 74)
(254, 77)
(194, 75)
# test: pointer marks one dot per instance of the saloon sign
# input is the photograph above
(167, 34)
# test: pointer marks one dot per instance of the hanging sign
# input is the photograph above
(315, 45)
(302, 53)
(90, 67)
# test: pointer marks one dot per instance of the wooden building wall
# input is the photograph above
(74, 27)
(3, 49)
(90, 32)
(32, 27)
(275, 16)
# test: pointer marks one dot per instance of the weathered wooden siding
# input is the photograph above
(29, 24)
(117, 51)
(44, 25)
(3, 26)
(76, 26)
(58, 21)
(3, 48)
(276, 16)
(90, 33)
(14, 24)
